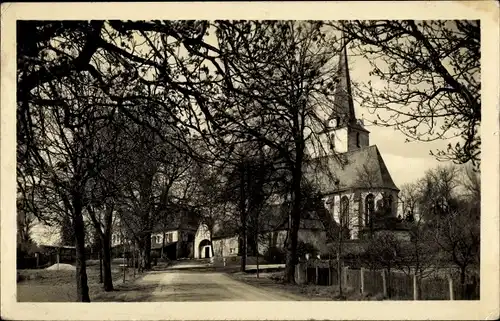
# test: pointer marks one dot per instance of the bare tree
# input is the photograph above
(274, 75)
(432, 72)
(420, 254)
(410, 196)
(62, 158)
(384, 251)
(459, 228)
(26, 220)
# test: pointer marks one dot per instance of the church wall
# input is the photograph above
(341, 140)
(354, 211)
(322, 147)
(357, 204)
(378, 197)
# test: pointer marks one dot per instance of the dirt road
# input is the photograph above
(160, 286)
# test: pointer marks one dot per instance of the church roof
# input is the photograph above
(343, 105)
(361, 168)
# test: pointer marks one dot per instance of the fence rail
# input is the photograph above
(392, 285)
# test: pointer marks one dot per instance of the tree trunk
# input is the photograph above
(243, 213)
(106, 249)
(463, 271)
(291, 255)
(147, 251)
(82, 289)
(389, 282)
(100, 265)
(163, 243)
(133, 258)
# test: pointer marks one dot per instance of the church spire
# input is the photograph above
(343, 109)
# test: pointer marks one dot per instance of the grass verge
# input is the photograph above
(60, 286)
(274, 280)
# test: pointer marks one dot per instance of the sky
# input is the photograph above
(406, 161)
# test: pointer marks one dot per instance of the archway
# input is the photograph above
(205, 249)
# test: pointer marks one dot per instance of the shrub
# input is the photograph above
(275, 255)
(306, 248)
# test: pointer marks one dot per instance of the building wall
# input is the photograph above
(156, 238)
(226, 246)
(170, 237)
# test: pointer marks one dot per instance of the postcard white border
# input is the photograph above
(486, 308)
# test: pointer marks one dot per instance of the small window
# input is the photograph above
(358, 142)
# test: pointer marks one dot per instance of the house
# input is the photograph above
(172, 238)
(357, 189)
(175, 239)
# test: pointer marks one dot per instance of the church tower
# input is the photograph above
(343, 132)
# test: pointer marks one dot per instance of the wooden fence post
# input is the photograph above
(415, 290)
(317, 274)
(384, 283)
(362, 278)
(450, 286)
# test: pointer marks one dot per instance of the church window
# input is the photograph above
(344, 211)
(358, 143)
(389, 204)
(337, 121)
(154, 239)
(369, 208)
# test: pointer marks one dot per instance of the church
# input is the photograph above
(357, 190)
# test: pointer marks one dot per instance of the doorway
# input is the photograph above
(204, 250)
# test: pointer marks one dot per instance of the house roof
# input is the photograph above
(361, 168)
